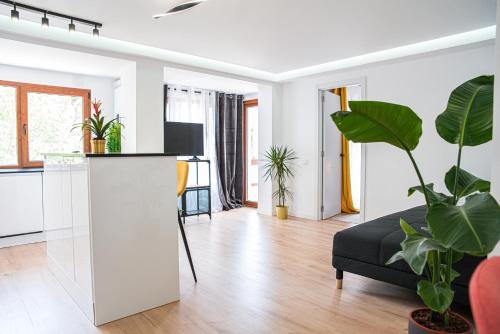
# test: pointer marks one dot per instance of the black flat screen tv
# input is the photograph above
(184, 138)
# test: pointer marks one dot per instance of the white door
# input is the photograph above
(332, 160)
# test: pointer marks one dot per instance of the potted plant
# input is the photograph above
(114, 142)
(98, 128)
(465, 221)
(278, 168)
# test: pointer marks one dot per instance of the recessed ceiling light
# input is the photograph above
(179, 7)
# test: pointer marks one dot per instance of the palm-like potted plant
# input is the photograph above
(278, 168)
(466, 221)
(98, 128)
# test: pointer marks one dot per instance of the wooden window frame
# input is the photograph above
(247, 104)
(22, 90)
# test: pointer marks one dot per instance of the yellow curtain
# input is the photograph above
(347, 206)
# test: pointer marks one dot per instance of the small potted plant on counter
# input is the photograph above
(278, 168)
(114, 142)
(465, 221)
(98, 128)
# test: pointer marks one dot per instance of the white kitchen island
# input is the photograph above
(111, 227)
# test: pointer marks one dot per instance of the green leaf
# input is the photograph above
(467, 183)
(407, 228)
(415, 249)
(468, 118)
(472, 228)
(438, 297)
(372, 121)
(434, 197)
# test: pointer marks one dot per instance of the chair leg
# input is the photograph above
(186, 246)
(340, 277)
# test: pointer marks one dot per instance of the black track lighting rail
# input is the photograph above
(50, 13)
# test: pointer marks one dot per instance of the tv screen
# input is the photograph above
(184, 138)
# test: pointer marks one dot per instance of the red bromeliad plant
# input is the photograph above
(96, 124)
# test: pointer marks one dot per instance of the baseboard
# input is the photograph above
(22, 239)
(303, 215)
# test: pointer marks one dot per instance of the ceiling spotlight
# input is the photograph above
(180, 7)
(15, 7)
(14, 14)
(45, 21)
(71, 26)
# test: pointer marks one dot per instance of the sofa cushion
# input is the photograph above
(376, 241)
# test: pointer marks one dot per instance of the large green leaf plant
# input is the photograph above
(467, 221)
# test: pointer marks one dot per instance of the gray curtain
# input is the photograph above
(229, 148)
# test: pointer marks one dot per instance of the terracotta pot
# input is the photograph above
(416, 328)
(282, 212)
(98, 146)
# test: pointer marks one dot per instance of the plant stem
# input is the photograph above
(449, 260)
(459, 158)
(420, 178)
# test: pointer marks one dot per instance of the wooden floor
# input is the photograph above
(256, 274)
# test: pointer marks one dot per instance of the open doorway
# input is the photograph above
(341, 161)
(251, 152)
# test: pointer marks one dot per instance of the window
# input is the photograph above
(37, 119)
(251, 152)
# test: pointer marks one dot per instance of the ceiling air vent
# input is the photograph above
(184, 5)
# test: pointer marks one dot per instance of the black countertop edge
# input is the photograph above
(20, 170)
(125, 155)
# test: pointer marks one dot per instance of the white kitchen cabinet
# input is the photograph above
(21, 208)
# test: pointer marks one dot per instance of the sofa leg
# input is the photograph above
(340, 277)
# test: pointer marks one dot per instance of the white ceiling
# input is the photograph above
(280, 35)
(199, 80)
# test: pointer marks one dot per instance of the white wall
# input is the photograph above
(495, 166)
(139, 100)
(424, 84)
(125, 106)
(269, 134)
(102, 88)
(149, 106)
(250, 96)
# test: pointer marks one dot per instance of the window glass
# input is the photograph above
(8, 126)
(51, 118)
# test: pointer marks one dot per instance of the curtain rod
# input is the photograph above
(199, 92)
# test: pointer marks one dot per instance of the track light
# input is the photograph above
(45, 21)
(73, 20)
(71, 26)
(14, 14)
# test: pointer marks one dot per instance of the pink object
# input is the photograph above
(484, 291)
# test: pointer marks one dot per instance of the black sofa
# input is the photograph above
(364, 249)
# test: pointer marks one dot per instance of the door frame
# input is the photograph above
(320, 89)
(247, 104)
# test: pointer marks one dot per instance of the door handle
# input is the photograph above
(25, 129)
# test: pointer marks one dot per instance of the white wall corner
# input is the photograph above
(149, 106)
(495, 167)
(125, 106)
(270, 104)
